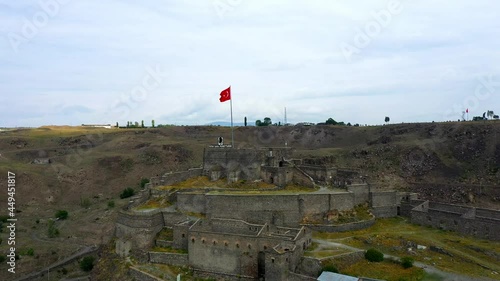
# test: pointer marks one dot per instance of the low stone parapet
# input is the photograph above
(169, 258)
(340, 227)
(164, 243)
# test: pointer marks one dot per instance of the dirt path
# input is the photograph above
(428, 268)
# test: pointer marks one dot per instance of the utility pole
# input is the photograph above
(285, 118)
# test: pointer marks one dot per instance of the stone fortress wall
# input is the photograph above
(476, 222)
(234, 241)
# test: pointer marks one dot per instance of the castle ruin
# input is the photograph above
(247, 236)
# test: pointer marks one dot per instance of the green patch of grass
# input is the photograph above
(392, 235)
(432, 277)
(154, 203)
(325, 253)
(385, 270)
(165, 234)
(196, 215)
(169, 250)
(205, 182)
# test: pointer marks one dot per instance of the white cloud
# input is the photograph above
(273, 53)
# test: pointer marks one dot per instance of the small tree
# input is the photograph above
(136, 124)
(330, 121)
(258, 123)
(407, 262)
(128, 124)
(127, 192)
(153, 123)
(387, 119)
(62, 214)
(87, 263)
(245, 121)
(144, 181)
(117, 125)
(374, 255)
(142, 123)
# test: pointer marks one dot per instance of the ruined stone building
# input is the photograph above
(263, 236)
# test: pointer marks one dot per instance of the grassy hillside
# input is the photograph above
(454, 162)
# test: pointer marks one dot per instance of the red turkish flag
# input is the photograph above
(225, 95)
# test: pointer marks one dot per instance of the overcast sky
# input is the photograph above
(68, 62)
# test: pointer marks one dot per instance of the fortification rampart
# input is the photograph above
(341, 227)
(462, 219)
(169, 258)
(361, 193)
(140, 219)
(219, 162)
(280, 176)
(172, 218)
(213, 246)
(135, 231)
(278, 209)
(192, 202)
(319, 173)
(384, 203)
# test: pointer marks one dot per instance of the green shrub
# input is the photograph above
(87, 263)
(64, 271)
(407, 262)
(2, 258)
(111, 204)
(330, 268)
(30, 252)
(374, 255)
(127, 192)
(62, 214)
(144, 181)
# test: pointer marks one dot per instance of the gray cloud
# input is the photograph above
(273, 53)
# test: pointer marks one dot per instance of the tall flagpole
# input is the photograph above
(232, 130)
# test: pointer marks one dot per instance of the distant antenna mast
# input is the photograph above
(285, 118)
